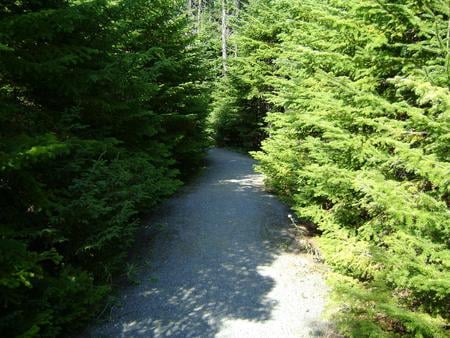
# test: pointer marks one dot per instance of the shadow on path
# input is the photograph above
(220, 231)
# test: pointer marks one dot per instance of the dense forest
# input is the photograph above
(102, 109)
(106, 107)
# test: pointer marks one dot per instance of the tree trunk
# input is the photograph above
(199, 15)
(237, 4)
(224, 37)
(448, 45)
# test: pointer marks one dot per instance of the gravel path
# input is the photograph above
(223, 266)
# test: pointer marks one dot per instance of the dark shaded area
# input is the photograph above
(103, 108)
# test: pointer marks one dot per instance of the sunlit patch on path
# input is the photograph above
(222, 267)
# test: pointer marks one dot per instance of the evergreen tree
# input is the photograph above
(240, 103)
(101, 107)
(357, 141)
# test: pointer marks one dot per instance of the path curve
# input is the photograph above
(222, 267)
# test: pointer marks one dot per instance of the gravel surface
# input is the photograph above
(222, 265)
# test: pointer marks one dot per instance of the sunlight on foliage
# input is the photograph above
(356, 117)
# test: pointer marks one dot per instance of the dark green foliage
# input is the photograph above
(358, 143)
(101, 107)
(240, 102)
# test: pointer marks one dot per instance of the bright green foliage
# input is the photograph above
(102, 106)
(358, 142)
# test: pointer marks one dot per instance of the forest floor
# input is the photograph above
(223, 264)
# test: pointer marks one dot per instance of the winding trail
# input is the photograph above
(223, 266)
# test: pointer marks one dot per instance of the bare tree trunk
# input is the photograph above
(224, 37)
(237, 4)
(189, 5)
(199, 15)
(448, 45)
